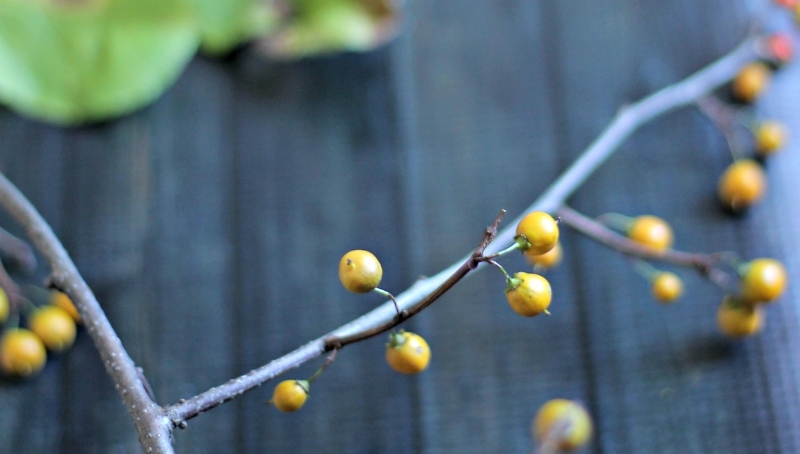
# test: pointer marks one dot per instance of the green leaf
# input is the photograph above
(323, 26)
(85, 60)
(224, 24)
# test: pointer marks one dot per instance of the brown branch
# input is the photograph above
(705, 264)
(148, 417)
(189, 408)
(335, 342)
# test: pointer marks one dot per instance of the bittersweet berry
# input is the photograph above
(360, 271)
(666, 287)
(736, 319)
(563, 424)
(762, 280)
(528, 294)
(290, 395)
(537, 233)
(651, 231)
(407, 353)
(770, 136)
(549, 259)
(751, 82)
(54, 326)
(742, 184)
(22, 353)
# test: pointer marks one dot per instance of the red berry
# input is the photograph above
(780, 47)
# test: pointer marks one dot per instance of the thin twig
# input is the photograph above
(17, 251)
(705, 264)
(725, 119)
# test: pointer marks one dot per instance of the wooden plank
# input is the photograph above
(317, 170)
(484, 135)
(211, 223)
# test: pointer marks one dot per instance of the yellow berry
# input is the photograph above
(737, 320)
(563, 424)
(528, 294)
(407, 353)
(360, 271)
(537, 232)
(63, 301)
(742, 184)
(769, 137)
(54, 326)
(651, 231)
(549, 259)
(762, 280)
(751, 81)
(22, 353)
(290, 395)
(667, 287)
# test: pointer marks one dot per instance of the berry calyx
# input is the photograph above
(360, 271)
(54, 326)
(651, 231)
(290, 395)
(762, 280)
(770, 136)
(741, 184)
(666, 287)
(63, 301)
(549, 259)
(407, 353)
(737, 320)
(563, 424)
(537, 233)
(750, 82)
(22, 353)
(780, 48)
(528, 294)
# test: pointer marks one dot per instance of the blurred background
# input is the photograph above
(210, 224)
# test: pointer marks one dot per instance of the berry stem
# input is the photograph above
(514, 247)
(500, 267)
(28, 305)
(12, 322)
(616, 221)
(726, 120)
(645, 270)
(390, 296)
(705, 264)
(327, 363)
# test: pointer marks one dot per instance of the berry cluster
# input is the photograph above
(743, 183)
(408, 353)
(52, 326)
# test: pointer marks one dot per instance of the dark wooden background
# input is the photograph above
(210, 225)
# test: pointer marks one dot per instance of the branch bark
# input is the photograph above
(148, 417)
(705, 264)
